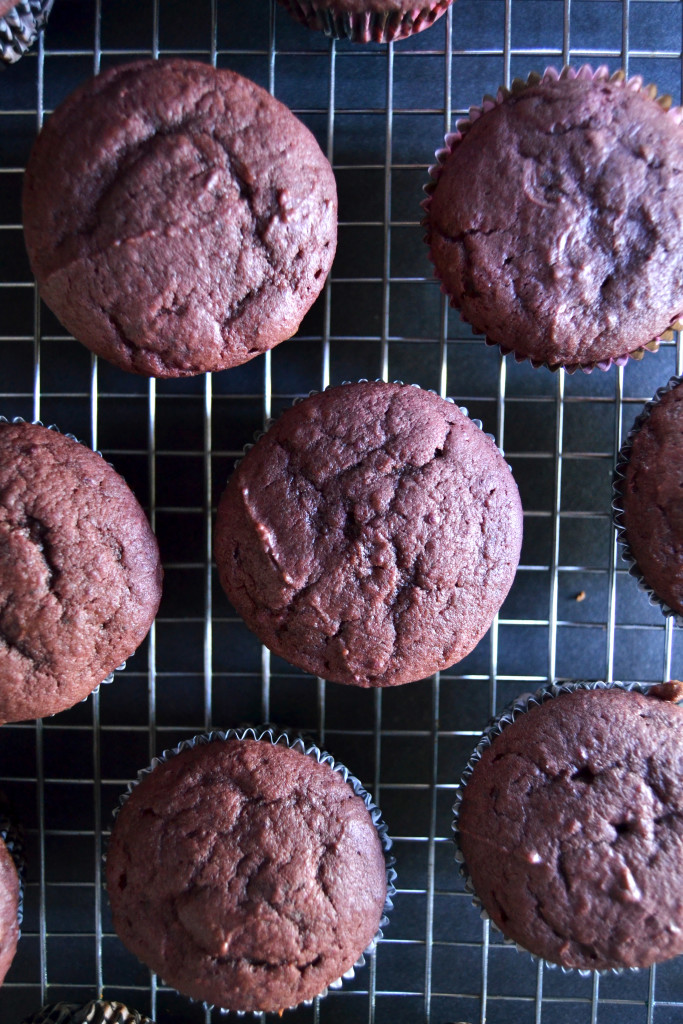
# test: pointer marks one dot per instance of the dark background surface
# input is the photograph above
(379, 112)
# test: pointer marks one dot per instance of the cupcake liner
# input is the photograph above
(19, 28)
(72, 437)
(519, 706)
(283, 737)
(623, 459)
(367, 26)
(452, 139)
(97, 1011)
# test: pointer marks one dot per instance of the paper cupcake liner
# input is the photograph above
(623, 459)
(98, 1011)
(20, 27)
(519, 706)
(452, 139)
(72, 437)
(283, 737)
(366, 26)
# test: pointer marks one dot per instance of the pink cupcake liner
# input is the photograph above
(623, 459)
(366, 26)
(452, 139)
(285, 737)
(19, 28)
(519, 706)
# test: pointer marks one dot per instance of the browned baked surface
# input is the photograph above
(178, 218)
(80, 576)
(651, 499)
(572, 829)
(371, 535)
(246, 874)
(555, 225)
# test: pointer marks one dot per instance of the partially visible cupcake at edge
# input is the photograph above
(80, 573)
(648, 509)
(247, 871)
(555, 218)
(569, 819)
(366, 21)
(178, 219)
(371, 535)
(12, 867)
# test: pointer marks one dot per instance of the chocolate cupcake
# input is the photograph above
(20, 23)
(178, 219)
(249, 873)
(11, 885)
(569, 819)
(371, 535)
(554, 222)
(365, 21)
(10, 908)
(80, 576)
(97, 1011)
(647, 498)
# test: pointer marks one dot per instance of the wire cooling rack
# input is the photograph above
(379, 112)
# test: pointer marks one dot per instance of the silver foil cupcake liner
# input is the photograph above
(19, 28)
(98, 1011)
(72, 437)
(366, 26)
(284, 737)
(452, 139)
(519, 706)
(623, 459)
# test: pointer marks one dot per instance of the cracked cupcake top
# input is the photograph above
(371, 535)
(571, 827)
(246, 874)
(555, 224)
(178, 218)
(80, 576)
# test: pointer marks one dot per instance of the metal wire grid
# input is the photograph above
(379, 112)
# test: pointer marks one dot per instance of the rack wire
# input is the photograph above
(379, 112)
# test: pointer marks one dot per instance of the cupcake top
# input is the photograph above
(650, 498)
(178, 218)
(80, 576)
(555, 223)
(10, 894)
(371, 535)
(571, 827)
(246, 874)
